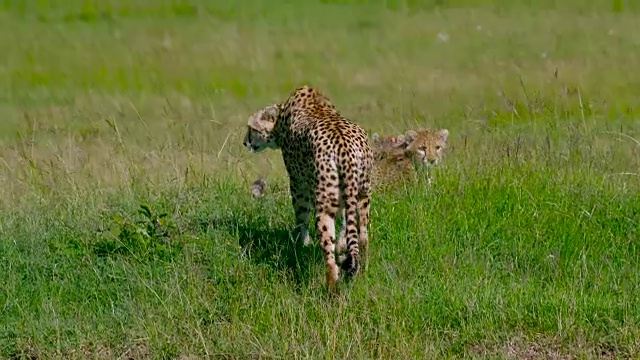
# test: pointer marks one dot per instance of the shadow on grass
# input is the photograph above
(271, 245)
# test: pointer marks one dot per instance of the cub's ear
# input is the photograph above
(375, 137)
(410, 135)
(400, 141)
(444, 134)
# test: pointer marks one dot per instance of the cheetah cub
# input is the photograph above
(401, 155)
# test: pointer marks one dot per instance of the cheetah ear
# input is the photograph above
(271, 111)
(410, 136)
(263, 119)
(399, 141)
(443, 133)
(375, 137)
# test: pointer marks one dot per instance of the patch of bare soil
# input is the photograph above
(538, 348)
(136, 351)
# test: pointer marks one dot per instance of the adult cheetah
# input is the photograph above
(329, 162)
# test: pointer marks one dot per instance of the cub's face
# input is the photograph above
(259, 130)
(426, 147)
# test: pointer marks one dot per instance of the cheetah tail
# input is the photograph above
(351, 263)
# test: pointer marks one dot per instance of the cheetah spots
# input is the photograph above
(329, 162)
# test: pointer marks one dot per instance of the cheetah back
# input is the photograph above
(329, 161)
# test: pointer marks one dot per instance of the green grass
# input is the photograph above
(525, 246)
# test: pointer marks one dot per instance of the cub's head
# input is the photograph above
(259, 129)
(426, 147)
(387, 142)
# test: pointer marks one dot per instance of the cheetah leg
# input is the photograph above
(302, 207)
(302, 224)
(326, 228)
(364, 208)
(342, 238)
(326, 211)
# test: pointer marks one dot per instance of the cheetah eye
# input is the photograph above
(438, 147)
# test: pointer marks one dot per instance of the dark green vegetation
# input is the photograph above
(127, 227)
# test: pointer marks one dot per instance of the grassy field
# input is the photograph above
(127, 229)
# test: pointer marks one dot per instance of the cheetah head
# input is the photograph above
(388, 142)
(426, 147)
(259, 130)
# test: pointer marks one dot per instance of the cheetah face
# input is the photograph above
(426, 147)
(259, 130)
(256, 140)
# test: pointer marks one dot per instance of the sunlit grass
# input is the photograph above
(526, 243)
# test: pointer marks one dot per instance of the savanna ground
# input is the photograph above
(525, 246)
